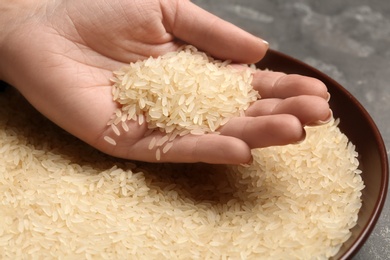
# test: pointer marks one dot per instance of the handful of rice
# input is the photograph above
(182, 92)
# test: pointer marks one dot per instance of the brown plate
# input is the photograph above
(361, 130)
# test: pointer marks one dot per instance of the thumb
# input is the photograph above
(211, 34)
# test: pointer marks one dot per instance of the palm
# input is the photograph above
(76, 93)
(76, 59)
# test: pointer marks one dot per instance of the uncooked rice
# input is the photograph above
(61, 199)
(110, 140)
(182, 92)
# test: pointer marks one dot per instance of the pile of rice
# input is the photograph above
(59, 198)
(179, 93)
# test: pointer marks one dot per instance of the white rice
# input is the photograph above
(116, 130)
(61, 199)
(152, 143)
(167, 147)
(182, 92)
(125, 127)
(110, 140)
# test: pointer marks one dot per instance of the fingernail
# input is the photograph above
(266, 43)
(247, 164)
(328, 97)
(323, 122)
(250, 160)
(303, 138)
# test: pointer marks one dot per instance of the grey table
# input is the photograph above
(349, 40)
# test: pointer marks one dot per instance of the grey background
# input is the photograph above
(348, 40)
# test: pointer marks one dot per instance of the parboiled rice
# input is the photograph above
(59, 198)
(182, 92)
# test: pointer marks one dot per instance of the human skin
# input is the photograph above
(60, 55)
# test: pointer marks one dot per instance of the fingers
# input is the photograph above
(304, 97)
(271, 84)
(232, 146)
(238, 137)
(209, 148)
(209, 33)
(308, 109)
(268, 122)
(265, 131)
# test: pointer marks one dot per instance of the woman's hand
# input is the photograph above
(60, 55)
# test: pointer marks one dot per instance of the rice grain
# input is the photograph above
(109, 140)
(167, 147)
(115, 130)
(158, 154)
(152, 143)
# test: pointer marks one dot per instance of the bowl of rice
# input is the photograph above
(361, 130)
(61, 199)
